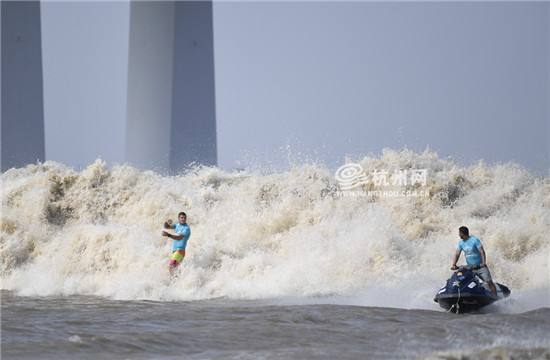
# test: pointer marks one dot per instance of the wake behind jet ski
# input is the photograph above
(466, 292)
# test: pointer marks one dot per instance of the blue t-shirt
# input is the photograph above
(183, 230)
(471, 248)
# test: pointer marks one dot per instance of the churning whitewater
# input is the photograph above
(278, 235)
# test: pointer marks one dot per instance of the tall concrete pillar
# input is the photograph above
(171, 97)
(22, 108)
(193, 133)
(150, 63)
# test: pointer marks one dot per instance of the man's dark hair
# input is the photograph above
(182, 213)
(464, 230)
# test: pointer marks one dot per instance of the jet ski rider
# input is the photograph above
(475, 257)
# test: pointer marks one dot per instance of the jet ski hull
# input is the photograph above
(464, 303)
(464, 292)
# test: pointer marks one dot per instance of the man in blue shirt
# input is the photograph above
(180, 240)
(475, 256)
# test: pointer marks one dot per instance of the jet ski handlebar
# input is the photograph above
(469, 267)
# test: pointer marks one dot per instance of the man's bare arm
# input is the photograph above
(168, 225)
(455, 259)
(175, 237)
(483, 256)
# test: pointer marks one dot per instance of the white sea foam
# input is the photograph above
(275, 235)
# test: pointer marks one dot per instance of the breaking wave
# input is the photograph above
(261, 235)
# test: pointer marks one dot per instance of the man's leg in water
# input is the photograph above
(493, 288)
(175, 260)
(172, 266)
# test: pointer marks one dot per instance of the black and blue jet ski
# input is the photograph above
(466, 292)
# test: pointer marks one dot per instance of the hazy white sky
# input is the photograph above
(470, 80)
(85, 70)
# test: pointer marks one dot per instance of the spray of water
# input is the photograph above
(271, 235)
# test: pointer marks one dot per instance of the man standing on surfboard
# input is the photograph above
(181, 236)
